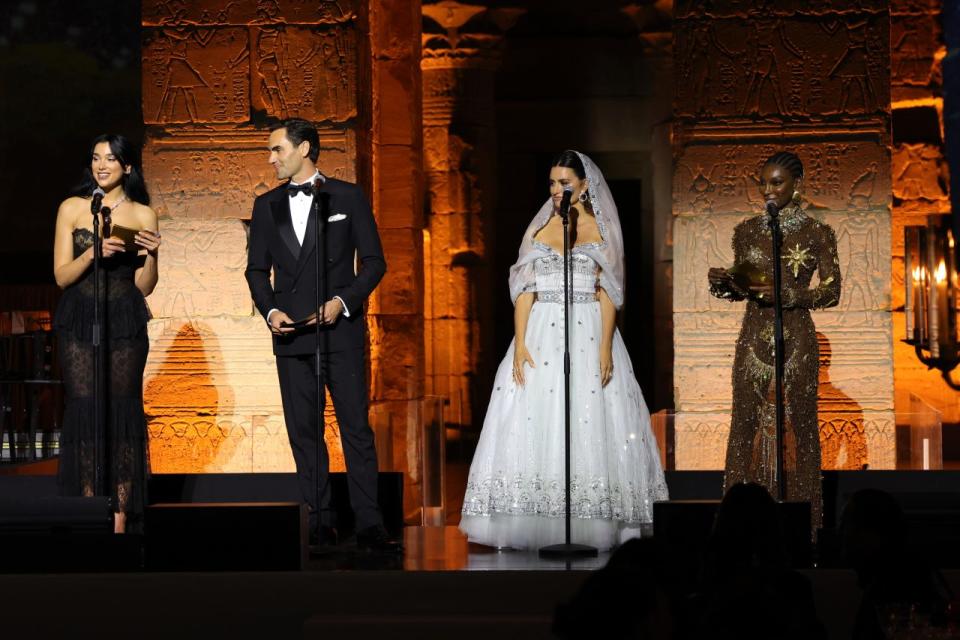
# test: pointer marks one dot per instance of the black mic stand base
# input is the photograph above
(567, 551)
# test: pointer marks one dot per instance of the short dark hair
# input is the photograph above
(787, 161)
(299, 131)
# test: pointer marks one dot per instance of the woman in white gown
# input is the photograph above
(515, 490)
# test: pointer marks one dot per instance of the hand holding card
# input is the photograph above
(128, 235)
(149, 240)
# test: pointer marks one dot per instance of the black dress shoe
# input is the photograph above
(376, 538)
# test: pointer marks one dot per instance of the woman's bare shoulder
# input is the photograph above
(145, 215)
(72, 208)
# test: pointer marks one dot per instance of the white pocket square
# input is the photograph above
(336, 217)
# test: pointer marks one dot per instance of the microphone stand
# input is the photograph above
(566, 550)
(773, 221)
(99, 438)
(319, 299)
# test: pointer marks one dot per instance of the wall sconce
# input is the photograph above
(931, 287)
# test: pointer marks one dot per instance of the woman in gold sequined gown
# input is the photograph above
(809, 247)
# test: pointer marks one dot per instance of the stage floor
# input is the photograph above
(445, 549)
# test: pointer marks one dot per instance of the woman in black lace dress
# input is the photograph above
(126, 277)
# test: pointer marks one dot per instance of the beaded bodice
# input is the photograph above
(583, 277)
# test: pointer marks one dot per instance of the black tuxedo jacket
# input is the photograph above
(352, 256)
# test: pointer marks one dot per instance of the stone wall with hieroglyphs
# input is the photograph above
(214, 73)
(811, 77)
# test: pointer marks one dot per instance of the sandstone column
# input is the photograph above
(459, 66)
(393, 166)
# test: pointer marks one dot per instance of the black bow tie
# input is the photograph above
(293, 189)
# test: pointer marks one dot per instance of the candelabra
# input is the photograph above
(931, 286)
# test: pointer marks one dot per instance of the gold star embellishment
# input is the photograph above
(797, 258)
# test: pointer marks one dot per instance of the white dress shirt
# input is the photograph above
(300, 207)
(300, 215)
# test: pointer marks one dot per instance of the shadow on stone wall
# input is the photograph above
(183, 402)
(843, 441)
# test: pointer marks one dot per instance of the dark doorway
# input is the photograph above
(636, 317)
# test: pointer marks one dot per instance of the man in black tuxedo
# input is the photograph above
(283, 238)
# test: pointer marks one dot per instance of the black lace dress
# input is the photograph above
(124, 357)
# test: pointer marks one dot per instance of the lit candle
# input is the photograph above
(912, 310)
(933, 308)
(909, 282)
(952, 291)
(922, 306)
(942, 339)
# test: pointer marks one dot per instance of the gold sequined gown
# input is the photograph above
(809, 247)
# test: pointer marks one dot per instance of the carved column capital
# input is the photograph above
(448, 45)
(654, 22)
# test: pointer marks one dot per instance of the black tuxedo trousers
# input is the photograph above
(343, 373)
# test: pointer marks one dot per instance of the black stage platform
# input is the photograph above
(930, 500)
(440, 587)
(373, 604)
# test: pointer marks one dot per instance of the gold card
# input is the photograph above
(126, 234)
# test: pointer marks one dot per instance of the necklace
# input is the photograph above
(119, 201)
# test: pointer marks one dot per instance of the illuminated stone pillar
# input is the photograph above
(920, 177)
(213, 73)
(393, 166)
(459, 67)
(811, 77)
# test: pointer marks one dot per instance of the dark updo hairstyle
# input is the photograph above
(787, 161)
(298, 131)
(128, 155)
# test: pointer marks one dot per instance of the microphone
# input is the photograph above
(565, 201)
(97, 201)
(772, 209)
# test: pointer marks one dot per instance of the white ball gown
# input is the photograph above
(515, 491)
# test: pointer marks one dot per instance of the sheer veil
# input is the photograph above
(608, 253)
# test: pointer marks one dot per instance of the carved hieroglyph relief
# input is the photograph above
(782, 66)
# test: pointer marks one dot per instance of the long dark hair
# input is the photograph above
(128, 155)
(570, 160)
